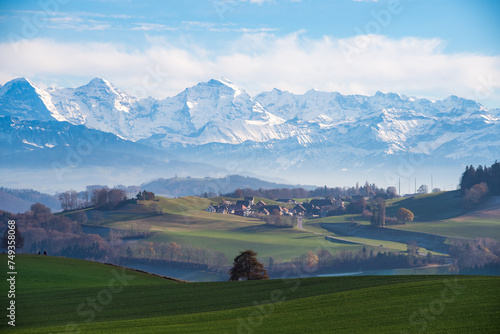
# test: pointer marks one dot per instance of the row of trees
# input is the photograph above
(173, 252)
(43, 231)
(372, 260)
(378, 215)
(367, 190)
(488, 175)
(40, 230)
(145, 195)
(322, 260)
(475, 254)
(247, 267)
(103, 199)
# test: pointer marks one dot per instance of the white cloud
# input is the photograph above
(260, 2)
(262, 61)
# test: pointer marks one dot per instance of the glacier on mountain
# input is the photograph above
(217, 121)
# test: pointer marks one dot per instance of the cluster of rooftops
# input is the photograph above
(247, 207)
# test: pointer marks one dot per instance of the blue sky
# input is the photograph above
(425, 48)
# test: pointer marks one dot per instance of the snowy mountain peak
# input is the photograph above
(17, 84)
(21, 98)
(218, 111)
(224, 84)
(231, 85)
(98, 81)
(99, 87)
(312, 91)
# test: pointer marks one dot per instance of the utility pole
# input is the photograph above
(399, 191)
(432, 183)
(415, 185)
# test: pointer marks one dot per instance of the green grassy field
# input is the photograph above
(315, 226)
(444, 214)
(185, 221)
(434, 206)
(470, 228)
(56, 294)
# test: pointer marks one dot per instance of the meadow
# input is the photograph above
(185, 221)
(442, 214)
(66, 295)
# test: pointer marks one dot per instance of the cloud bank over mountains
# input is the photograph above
(262, 61)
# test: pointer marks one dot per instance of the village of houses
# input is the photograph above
(248, 208)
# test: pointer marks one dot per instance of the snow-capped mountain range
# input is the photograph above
(217, 121)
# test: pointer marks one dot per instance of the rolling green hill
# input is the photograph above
(434, 206)
(59, 295)
(444, 214)
(185, 221)
(437, 213)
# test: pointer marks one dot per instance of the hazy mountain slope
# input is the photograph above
(20, 200)
(176, 187)
(217, 122)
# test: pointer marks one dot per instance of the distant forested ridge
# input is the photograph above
(180, 186)
(20, 200)
(367, 190)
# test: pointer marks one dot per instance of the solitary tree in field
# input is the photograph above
(247, 267)
(405, 215)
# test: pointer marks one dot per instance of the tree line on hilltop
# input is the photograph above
(488, 175)
(40, 231)
(477, 183)
(366, 190)
(103, 199)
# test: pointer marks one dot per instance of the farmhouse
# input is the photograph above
(211, 208)
(299, 210)
(271, 208)
(242, 210)
(260, 204)
(250, 200)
